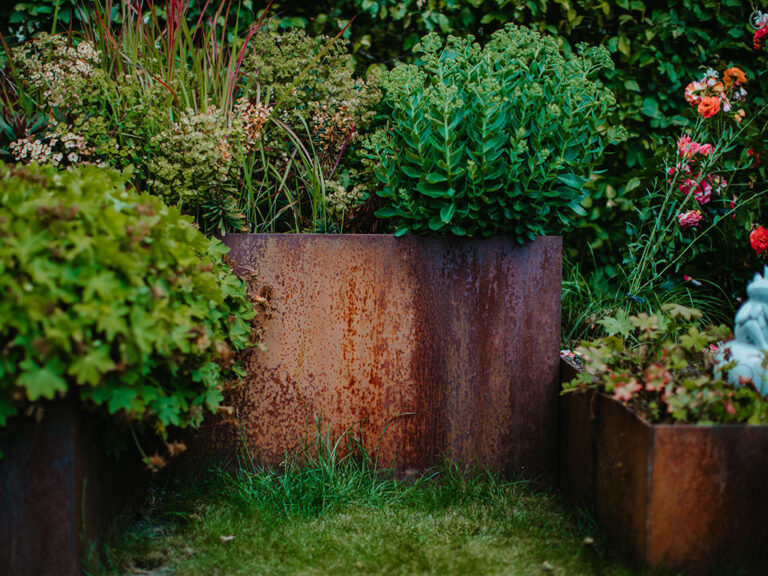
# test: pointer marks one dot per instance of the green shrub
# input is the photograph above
(493, 140)
(660, 365)
(114, 297)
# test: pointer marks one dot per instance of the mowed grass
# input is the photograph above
(331, 515)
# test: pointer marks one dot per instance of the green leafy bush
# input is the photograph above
(248, 133)
(661, 366)
(657, 49)
(493, 140)
(114, 297)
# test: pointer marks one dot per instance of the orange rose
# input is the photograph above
(709, 106)
(734, 74)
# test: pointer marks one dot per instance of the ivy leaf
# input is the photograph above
(167, 410)
(619, 324)
(41, 382)
(104, 284)
(7, 409)
(208, 374)
(112, 321)
(677, 310)
(213, 398)
(694, 340)
(645, 322)
(121, 398)
(90, 368)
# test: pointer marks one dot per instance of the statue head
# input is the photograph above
(758, 288)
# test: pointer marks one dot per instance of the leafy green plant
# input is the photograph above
(244, 132)
(656, 48)
(114, 298)
(660, 366)
(493, 140)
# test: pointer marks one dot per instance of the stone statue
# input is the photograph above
(749, 348)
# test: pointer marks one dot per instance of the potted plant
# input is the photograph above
(446, 341)
(670, 457)
(445, 333)
(118, 317)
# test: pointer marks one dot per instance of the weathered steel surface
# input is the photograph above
(709, 484)
(57, 491)
(622, 485)
(450, 345)
(576, 464)
(690, 497)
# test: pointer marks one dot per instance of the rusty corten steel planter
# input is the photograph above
(677, 496)
(58, 489)
(450, 344)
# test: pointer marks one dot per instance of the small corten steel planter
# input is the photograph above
(678, 496)
(58, 489)
(451, 345)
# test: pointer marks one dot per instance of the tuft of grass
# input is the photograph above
(319, 477)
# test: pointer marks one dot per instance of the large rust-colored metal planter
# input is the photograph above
(450, 345)
(677, 496)
(58, 490)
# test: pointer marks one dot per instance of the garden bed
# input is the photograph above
(680, 496)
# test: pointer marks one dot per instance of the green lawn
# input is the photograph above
(341, 518)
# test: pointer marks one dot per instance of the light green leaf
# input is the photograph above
(41, 382)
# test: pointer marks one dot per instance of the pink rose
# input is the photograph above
(689, 219)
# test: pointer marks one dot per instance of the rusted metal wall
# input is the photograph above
(451, 345)
(38, 469)
(677, 496)
(58, 489)
(709, 484)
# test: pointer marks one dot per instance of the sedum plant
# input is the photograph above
(499, 139)
(113, 297)
(661, 366)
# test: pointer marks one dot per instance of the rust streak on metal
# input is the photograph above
(450, 345)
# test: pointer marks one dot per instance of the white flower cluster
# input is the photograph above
(49, 62)
(68, 149)
(710, 77)
(340, 199)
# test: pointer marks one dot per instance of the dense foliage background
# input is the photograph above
(657, 49)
